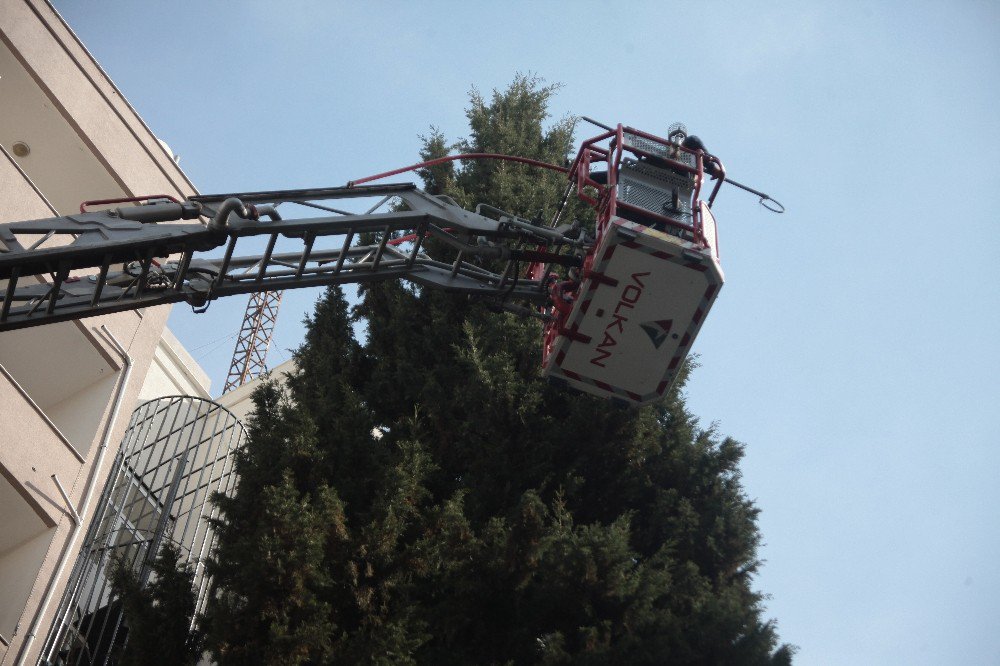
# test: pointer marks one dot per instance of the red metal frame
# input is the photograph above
(606, 203)
(607, 206)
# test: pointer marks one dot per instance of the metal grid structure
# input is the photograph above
(656, 190)
(129, 244)
(177, 451)
(250, 355)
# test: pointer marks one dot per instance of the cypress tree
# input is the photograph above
(158, 617)
(424, 497)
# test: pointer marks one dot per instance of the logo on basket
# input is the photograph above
(626, 301)
(658, 331)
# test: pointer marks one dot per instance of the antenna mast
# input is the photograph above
(250, 354)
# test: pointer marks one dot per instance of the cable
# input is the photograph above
(513, 284)
(212, 342)
(452, 158)
(217, 345)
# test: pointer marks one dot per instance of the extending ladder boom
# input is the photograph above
(147, 255)
(620, 315)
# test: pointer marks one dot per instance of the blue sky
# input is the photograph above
(854, 347)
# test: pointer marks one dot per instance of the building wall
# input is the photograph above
(239, 401)
(66, 389)
(174, 372)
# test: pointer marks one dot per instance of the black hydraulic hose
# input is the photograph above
(230, 205)
(258, 211)
(159, 212)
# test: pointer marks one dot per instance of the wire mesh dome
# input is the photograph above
(177, 451)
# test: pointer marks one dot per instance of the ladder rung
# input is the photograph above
(381, 248)
(9, 295)
(310, 239)
(266, 259)
(225, 262)
(343, 250)
(147, 263)
(102, 279)
(182, 269)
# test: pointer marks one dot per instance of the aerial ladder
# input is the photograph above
(621, 304)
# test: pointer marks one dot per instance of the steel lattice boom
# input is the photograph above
(145, 256)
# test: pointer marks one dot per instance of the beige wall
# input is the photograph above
(61, 382)
(174, 372)
(239, 401)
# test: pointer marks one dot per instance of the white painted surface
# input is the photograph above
(173, 372)
(240, 400)
(643, 325)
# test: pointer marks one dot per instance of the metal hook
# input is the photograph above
(764, 201)
(774, 206)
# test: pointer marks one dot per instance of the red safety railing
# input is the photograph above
(609, 148)
(607, 202)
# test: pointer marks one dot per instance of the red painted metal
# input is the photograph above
(410, 237)
(606, 203)
(608, 207)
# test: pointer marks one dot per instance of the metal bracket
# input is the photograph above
(72, 509)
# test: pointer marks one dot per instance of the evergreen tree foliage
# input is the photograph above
(424, 497)
(158, 617)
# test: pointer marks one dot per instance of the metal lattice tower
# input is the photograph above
(250, 354)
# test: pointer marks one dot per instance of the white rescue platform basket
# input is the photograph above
(639, 308)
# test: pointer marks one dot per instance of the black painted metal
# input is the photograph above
(131, 264)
